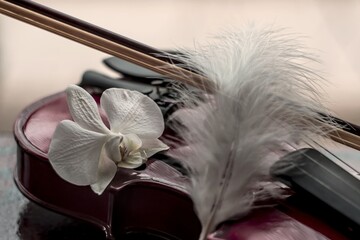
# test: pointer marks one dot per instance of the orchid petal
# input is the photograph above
(132, 112)
(84, 109)
(132, 142)
(112, 148)
(106, 172)
(132, 161)
(74, 153)
(151, 146)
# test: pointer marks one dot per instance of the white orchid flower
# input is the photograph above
(86, 152)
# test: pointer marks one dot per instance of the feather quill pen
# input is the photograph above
(263, 99)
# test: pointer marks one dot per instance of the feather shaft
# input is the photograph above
(264, 99)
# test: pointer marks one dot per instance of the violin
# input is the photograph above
(152, 199)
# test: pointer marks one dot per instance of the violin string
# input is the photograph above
(326, 150)
(327, 186)
(330, 171)
(334, 155)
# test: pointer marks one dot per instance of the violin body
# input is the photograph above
(144, 200)
(151, 200)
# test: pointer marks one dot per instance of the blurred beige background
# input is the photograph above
(35, 63)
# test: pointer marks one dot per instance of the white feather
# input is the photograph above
(264, 98)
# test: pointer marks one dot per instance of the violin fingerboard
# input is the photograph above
(325, 187)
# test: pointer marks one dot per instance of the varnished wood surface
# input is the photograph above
(23, 220)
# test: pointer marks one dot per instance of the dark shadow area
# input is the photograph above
(36, 222)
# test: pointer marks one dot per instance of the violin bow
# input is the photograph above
(119, 46)
(98, 38)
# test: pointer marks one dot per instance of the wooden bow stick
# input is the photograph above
(121, 47)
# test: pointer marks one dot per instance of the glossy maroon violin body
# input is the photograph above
(152, 200)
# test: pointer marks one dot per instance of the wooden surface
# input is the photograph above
(21, 219)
